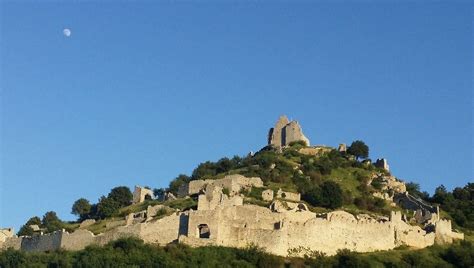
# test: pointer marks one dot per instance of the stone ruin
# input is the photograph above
(141, 194)
(232, 183)
(285, 132)
(223, 218)
(342, 148)
(383, 164)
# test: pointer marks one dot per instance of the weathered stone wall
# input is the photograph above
(276, 134)
(233, 183)
(286, 132)
(315, 150)
(77, 240)
(11, 242)
(140, 194)
(382, 163)
(240, 226)
(214, 197)
(6, 233)
(237, 225)
(162, 231)
(288, 195)
(45, 242)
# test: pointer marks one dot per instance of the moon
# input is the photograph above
(67, 32)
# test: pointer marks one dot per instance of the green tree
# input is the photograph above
(122, 195)
(313, 196)
(358, 149)
(178, 182)
(107, 207)
(81, 208)
(51, 222)
(159, 193)
(331, 194)
(26, 229)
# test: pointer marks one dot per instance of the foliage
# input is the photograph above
(26, 229)
(178, 182)
(107, 207)
(459, 203)
(414, 189)
(358, 149)
(182, 204)
(81, 208)
(209, 169)
(122, 195)
(51, 222)
(328, 195)
(159, 193)
(132, 252)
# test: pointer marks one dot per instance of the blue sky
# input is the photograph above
(141, 92)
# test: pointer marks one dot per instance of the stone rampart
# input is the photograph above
(233, 183)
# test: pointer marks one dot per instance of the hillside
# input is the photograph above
(289, 199)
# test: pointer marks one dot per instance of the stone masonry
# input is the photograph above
(225, 220)
(285, 132)
(141, 193)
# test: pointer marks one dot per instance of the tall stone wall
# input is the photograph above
(242, 225)
(286, 132)
(141, 193)
(277, 233)
(40, 243)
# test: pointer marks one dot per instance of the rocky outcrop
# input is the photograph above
(285, 132)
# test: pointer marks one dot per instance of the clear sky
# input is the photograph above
(143, 91)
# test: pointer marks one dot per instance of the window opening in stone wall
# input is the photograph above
(204, 231)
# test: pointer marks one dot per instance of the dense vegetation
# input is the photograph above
(118, 198)
(134, 253)
(329, 180)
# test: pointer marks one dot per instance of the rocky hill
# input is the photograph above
(289, 198)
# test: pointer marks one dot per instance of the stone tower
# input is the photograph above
(286, 132)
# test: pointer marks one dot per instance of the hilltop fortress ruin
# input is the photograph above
(285, 227)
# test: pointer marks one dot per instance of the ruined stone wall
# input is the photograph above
(315, 150)
(47, 242)
(6, 233)
(234, 183)
(11, 242)
(77, 240)
(278, 232)
(242, 225)
(276, 134)
(286, 132)
(162, 231)
(140, 193)
(293, 133)
(288, 195)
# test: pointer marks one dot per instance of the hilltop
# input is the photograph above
(289, 198)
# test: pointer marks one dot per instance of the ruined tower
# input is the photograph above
(285, 132)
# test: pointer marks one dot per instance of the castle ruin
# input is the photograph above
(283, 225)
(285, 132)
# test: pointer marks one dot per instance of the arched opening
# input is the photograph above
(204, 231)
(148, 197)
